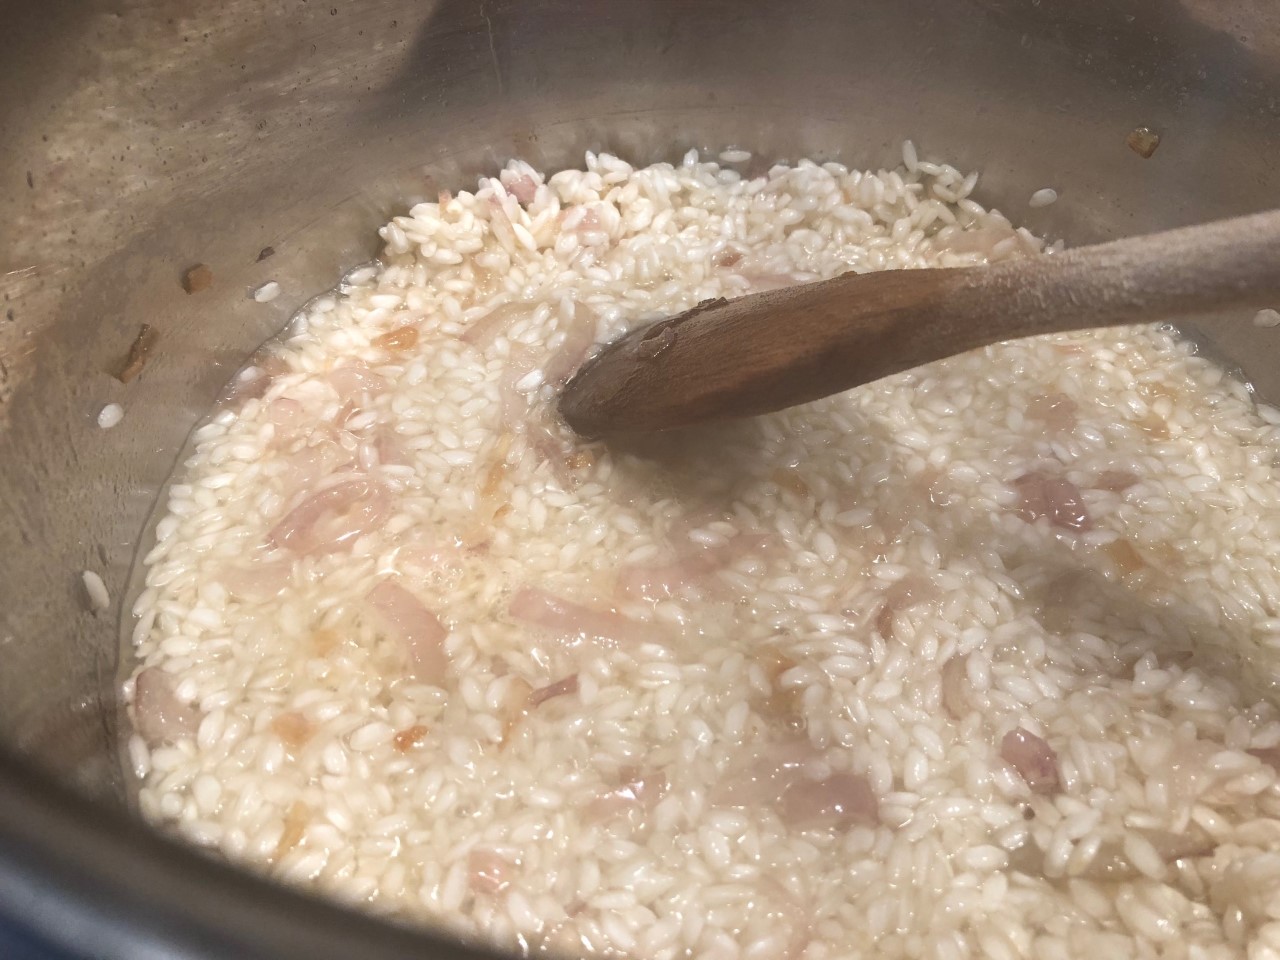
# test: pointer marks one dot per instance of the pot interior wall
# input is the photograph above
(146, 137)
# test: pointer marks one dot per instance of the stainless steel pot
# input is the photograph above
(143, 136)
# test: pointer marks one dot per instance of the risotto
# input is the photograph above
(976, 661)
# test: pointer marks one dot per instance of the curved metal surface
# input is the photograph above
(70, 871)
(143, 136)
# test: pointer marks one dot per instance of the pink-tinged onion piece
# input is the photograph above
(910, 591)
(549, 446)
(841, 800)
(388, 446)
(661, 581)
(1033, 758)
(579, 338)
(514, 705)
(266, 368)
(321, 458)
(286, 413)
(955, 686)
(776, 778)
(589, 220)
(352, 382)
(693, 569)
(158, 715)
(760, 785)
(514, 404)
(521, 186)
(790, 920)
(570, 620)
(438, 564)
(1054, 497)
(485, 330)
(636, 794)
(1117, 481)
(561, 456)
(257, 581)
(417, 628)
(560, 688)
(981, 240)
(1056, 410)
(333, 518)
(500, 225)
(1268, 755)
(762, 281)
(1111, 863)
(490, 871)
(764, 780)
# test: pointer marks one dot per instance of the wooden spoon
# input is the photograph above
(739, 358)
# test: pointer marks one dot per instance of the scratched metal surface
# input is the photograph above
(142, 136)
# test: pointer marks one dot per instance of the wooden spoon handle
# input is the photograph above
(772, 350)
(1178, 273)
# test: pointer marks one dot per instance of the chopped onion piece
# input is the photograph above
(906, 593)
(1056, 410)
(490, 872)
(333, 518)
(257, 581)
(521, 186)
(286, 413)
(399, 340)
(515, 404)
(1033, 758)
(560, 688)
(1054, 497)
(351, 383)
(1111, 863)
(776, 777)
(1117, 481)
(1268, 755)
(419, 629)
(840, 800)
(581, 336)
(386, 442)
(486, 329)
(955, 686)
(691, 570)
(562, 457)
(158, 715)
(636, 795)
(293, 728)
(316, 461)
(570, 620)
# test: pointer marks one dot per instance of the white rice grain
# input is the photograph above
(267, 292)
(110, 415)
(96, 589)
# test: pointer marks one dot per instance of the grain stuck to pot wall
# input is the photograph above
(971, 662)
(1043, 197)
(110, 416)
